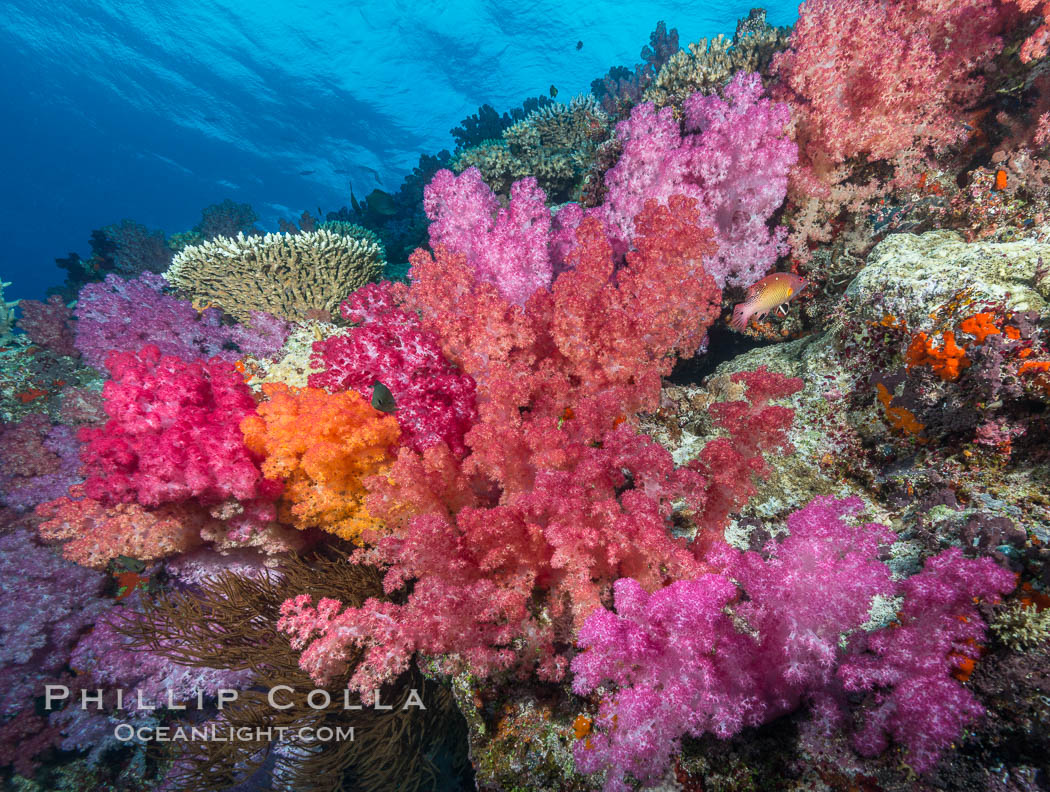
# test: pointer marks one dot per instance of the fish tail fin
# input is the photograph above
(741, 316)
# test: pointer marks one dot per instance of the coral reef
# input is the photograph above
(288, 275)
(555, 144)
(575, 518)
(708, 66)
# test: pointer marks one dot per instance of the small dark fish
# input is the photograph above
(340, 170)
(211, 119)
(554, 92)
(375, 173)
(579, 45)
(381, 203)
(306, 173)
(382, 398)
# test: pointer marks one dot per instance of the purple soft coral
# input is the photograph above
(38, 461)
(119, 315)
(125, 315)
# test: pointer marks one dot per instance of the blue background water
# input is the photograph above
(152, 110)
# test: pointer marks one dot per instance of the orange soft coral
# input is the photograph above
(947, 361)
(324, 445)
(93, 534)
(899, 418)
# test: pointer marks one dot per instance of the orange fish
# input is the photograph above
(1000, 180)
(769, 293)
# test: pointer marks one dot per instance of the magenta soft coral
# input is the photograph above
(762, 634)
(917, 701)
(172, 435)
(38, 461)
(48, 324)
(682, 664)
(435, 402)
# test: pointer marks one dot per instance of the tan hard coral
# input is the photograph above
(290, 275)
(556, 144)
(708, 65)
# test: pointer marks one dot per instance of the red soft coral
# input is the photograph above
(435, 402)
(730, 465)
(851, 102)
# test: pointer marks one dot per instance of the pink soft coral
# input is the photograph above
(1035, 46)
(850, 102)
(917, 701)
(92, 534)
(591, 338)
(734, 162)
(172, 435)
(435, 402)
(730, 465)
(505, 247)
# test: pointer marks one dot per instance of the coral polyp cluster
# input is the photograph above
(494, 448)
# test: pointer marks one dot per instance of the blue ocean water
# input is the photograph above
(152, 111)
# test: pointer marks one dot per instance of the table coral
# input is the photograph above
(287, 275)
